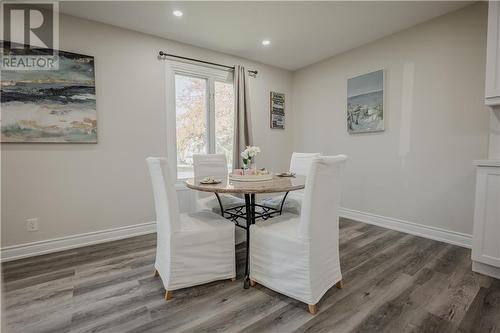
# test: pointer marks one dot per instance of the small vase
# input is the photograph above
(247, 167)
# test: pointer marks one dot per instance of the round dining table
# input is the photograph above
(250, 211)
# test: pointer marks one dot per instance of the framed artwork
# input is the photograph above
(365, 103)
(50, 106)
(277, 110)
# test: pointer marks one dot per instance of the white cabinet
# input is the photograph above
(486, 238)
(493, 55)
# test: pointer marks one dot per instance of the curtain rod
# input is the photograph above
(163, 54)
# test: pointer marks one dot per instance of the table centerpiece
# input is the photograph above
(249, 172)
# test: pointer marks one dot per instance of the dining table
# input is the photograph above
(244, 216)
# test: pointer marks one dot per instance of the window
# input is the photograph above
(224, 120)
(191, 121)
(204, 115)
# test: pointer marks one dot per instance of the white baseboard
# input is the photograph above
(65, 243)
(443, 235)
(70, 242)
(486, 269)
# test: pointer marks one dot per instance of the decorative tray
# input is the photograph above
(250, 178)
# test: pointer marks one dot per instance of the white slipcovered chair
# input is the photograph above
(298, 256)
(300, 164)
(191, 249)
(213, 165)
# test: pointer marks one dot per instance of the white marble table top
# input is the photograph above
(277, 184)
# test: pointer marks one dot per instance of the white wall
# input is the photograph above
(420, 168)
(79, 188)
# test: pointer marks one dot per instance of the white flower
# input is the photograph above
(254, 151)
(250, 152)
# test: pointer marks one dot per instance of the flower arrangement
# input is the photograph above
(248, 155)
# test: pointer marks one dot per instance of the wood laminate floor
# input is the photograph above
(394, 282)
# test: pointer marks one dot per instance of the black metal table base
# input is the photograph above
(250, 217)
(249, 214)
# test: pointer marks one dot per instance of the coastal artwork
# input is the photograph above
(277, 110)
(51, 106)
(365, 103)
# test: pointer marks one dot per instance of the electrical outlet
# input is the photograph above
(32, 224)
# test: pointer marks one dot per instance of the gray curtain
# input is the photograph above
(242, 121)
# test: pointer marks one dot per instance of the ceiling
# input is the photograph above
(301, 33)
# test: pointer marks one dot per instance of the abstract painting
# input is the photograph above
(50, 105)
(365, 103)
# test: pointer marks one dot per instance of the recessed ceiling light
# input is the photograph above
(266, 42)
(177, 13)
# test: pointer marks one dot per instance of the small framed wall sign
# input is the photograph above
(277, 110)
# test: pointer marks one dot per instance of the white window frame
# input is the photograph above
(209, 73)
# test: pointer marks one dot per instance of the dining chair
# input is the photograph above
(300, 163)
(191, 249)
(298, 256)
(213, 165)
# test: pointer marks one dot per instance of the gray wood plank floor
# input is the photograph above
(394, 282)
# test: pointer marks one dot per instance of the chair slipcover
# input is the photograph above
(298, 256)
(191, 248)
(300, 164)
(212, 165)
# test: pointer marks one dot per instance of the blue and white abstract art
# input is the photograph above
(56, 106)
(365, 103)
